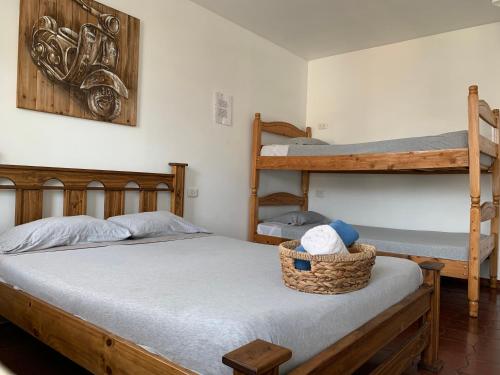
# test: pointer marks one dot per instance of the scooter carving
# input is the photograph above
(86, 60)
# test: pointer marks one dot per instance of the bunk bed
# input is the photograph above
(466, 152)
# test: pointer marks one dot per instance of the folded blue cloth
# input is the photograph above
(302, 265)
(346, 231)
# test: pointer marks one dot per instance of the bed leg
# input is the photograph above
(432, 278)
(257, 358)
(495, 222)
(494, 253)
(474, 264)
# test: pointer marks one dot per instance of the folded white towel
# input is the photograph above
(322, 240)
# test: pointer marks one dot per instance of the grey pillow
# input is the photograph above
(59, 231)
(299, 218)
(155, 224)
(306, 141)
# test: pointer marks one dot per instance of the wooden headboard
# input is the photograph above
(284, 129)
(28, 182)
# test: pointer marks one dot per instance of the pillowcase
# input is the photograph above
(306, 141)
(155, 224)
(59, 231)
(299, 218)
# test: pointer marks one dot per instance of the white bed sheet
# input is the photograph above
(205, 295)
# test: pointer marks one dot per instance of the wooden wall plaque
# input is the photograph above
(78, 58)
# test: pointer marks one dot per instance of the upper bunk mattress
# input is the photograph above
(206, 295)
(443, 245)
(458, 139)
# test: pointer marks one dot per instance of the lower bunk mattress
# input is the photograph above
(193, 299)
(444, 245)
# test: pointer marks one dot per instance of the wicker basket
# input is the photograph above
(329, 274)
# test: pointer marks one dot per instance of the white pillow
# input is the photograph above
(59, 231)
(155, 224)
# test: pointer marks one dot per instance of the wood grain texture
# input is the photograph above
(75, 202)
(284, 129)
(64, 96)
(495, 222)
(91, 347)
(281, 199)
(114, 203)
(349, 353)
(452, 268)
(177, 196)
(488, 147)
(432, 279)
(406, 355)
(148, 201)
(254, 178)
(257, 358)
(29, 205)
(29, 185)
(486, 113)
(435, 160)
(488, 211)
(475, 195)
(269, 240)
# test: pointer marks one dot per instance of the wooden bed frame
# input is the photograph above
(464, 160)
(103, 352)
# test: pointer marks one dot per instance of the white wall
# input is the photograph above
(414, 88)
(186, 54)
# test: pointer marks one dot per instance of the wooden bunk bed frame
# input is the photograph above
(103, 352)
(463, 160)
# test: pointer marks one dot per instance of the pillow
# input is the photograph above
(306, 141)
(59, 231)
(155, 224)
(299, 218)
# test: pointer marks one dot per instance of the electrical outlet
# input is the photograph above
(192, 193)
(322, 126)
(320, 193)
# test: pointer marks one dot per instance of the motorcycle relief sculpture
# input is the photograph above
(86, 60)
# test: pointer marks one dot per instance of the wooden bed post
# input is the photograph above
(305, 180)
(257, 358)
(177, 196)
(254, 178)
(432, 278)
(495, 222)
(475, 195)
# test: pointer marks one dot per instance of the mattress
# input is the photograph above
(458, 139)
(205, 294)
(443, 245)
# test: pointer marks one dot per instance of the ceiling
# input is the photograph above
(319, 28)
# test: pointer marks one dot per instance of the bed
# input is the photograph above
(172, 305)
(443, 245)
(465, 151)
(446, 141)
(166, 306)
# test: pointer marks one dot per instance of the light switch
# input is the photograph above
(223, 109)
(322, 126)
